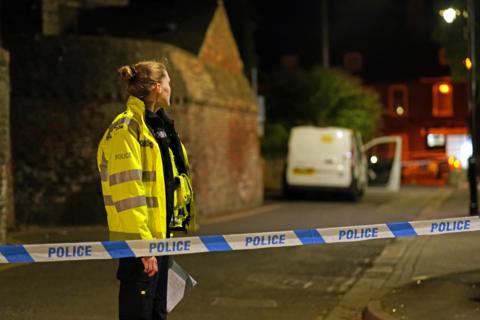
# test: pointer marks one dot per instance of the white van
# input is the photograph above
(325, 158)
(332, 159)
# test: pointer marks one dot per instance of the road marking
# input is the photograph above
(242, 214)
(239, 302)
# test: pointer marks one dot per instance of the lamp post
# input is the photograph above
(325, 45)
(449, 15)
(472, 161)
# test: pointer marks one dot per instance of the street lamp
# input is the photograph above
(449, 15)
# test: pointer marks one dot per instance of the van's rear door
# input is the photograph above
(383, 156)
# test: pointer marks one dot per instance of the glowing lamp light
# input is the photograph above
(449, 15)
(444, 88)
(400, 110)
(451, 160)
(468, 63)
(373, 159)
(457, 164)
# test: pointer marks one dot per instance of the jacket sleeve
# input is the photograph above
(185, 156)
(192, 224)
(127, 188)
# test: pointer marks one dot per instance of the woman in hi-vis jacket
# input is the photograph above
(146, 186)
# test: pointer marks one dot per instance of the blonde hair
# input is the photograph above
(141, 76)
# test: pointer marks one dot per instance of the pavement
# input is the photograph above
(434, 277)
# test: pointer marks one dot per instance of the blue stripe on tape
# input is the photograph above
(215, 243)
(118, 249)
(15, 253)
(402, 229)
(309, 236)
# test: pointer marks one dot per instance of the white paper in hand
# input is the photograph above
(179, 282)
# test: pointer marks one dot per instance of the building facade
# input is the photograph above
(431, 116)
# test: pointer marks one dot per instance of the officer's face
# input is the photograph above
(164, 91)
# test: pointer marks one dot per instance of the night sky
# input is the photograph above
(394, 36)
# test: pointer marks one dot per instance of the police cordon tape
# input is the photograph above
(222, 243)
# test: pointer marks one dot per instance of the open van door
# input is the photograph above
(383, 156)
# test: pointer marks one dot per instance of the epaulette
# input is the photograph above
(125, 122)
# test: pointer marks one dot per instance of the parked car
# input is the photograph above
(429, 168)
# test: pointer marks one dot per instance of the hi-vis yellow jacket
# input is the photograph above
(131, 170)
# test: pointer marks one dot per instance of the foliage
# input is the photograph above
(288, 98)
(274, 142)
(340, 100)
(319, 97)
(453, 37)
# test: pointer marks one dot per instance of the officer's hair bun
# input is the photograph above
(127, 72)
(141, 76)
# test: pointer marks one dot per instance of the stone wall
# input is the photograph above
(6, 190)
(58, 16)
(65, 92)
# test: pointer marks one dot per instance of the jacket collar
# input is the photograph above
(137, 106)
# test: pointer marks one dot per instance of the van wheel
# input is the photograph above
(354, 192)
(287, 192)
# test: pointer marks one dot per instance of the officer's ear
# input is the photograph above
(156, 87)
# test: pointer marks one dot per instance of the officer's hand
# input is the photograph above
(150, 265)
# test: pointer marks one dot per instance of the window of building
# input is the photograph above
(398, 100)
(435, 140)
(442, 94)
(442, 57)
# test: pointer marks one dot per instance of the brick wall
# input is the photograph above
(221, 134)
(58, 16)
(65, 93)
(6, 193)
(219, 47)
(225, 154)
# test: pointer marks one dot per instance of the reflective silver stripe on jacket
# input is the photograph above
(134, 128)
(113, 126)
(104, 168)
(131, 175)
(152, 202)
(125, 176)
(130, 203)
(108, 200)
(149, 176)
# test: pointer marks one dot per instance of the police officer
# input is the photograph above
(146, 185)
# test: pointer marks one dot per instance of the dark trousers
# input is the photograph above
(142, 297)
